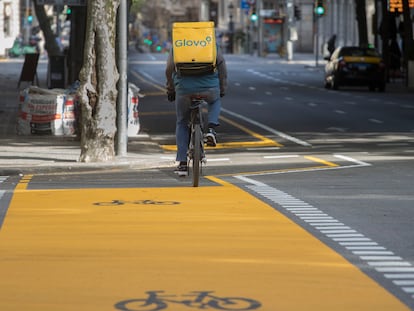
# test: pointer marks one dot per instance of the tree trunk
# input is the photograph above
(99, 77)
(44, 23)
(361, 16)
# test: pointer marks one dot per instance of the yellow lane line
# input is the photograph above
(250, 132)
(262, 140)
(327, 164)
(228, 145)
(269, 172)
(24, 182)
(75, 250)
(318, 160)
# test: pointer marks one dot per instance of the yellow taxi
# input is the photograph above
(355, 66)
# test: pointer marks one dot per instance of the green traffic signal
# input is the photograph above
(320, 10)
(253, 16)
(320, 7)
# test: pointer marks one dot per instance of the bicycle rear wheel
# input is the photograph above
(197, 154)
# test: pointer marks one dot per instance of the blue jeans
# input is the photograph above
(182, 107)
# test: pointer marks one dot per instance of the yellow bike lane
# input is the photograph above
(104, 249)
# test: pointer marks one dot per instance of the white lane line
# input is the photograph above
(281, 156)
(375, 256)
(345, 235)
(400, 276)
(375, 121)
(349, 159)
(267, 128)
(404, 282)
(218, 160)
(371, 257)
(388, 263)
(356, 162)
(366, 247)
(358, 244)
(373, 253)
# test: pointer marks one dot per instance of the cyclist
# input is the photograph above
(211, 87)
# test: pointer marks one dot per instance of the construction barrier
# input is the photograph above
(43, 111)
(133, 116)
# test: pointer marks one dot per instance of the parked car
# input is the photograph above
(355, 66)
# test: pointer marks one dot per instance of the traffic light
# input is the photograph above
(297, 12)
(29, 17)
(68, 13)
(253, 15)
(320, 7)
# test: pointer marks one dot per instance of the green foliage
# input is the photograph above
(136, 6)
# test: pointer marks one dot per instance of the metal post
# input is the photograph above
(122, 138)
(316, 39)
(291, 25)
(26, 23)
(259, 7)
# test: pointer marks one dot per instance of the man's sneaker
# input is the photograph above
(181, 170)
(211, 139)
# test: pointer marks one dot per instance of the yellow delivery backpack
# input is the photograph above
(194, 48)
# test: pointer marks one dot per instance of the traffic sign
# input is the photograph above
(244, 4)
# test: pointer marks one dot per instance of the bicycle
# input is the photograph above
(202, 300)
(143, 202)
(195, 153)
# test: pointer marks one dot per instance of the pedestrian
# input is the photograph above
(395, 59)
(180, 89)
(331, 45)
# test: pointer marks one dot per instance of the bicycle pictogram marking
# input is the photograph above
(201, 300)
(135, 202)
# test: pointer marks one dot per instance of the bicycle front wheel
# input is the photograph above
(197, 154)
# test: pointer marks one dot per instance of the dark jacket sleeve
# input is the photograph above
(169, 70)
(222, 71)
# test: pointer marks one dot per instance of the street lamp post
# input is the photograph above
(231, 27)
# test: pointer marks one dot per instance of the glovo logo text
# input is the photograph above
(196, 43)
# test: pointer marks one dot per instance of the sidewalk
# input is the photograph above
(47, 153)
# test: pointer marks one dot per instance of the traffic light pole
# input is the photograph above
(122, 102)
(316, 39)
(259, 28)
(290, 25)
(26, 23)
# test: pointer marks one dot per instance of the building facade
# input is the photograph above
(10, 24)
